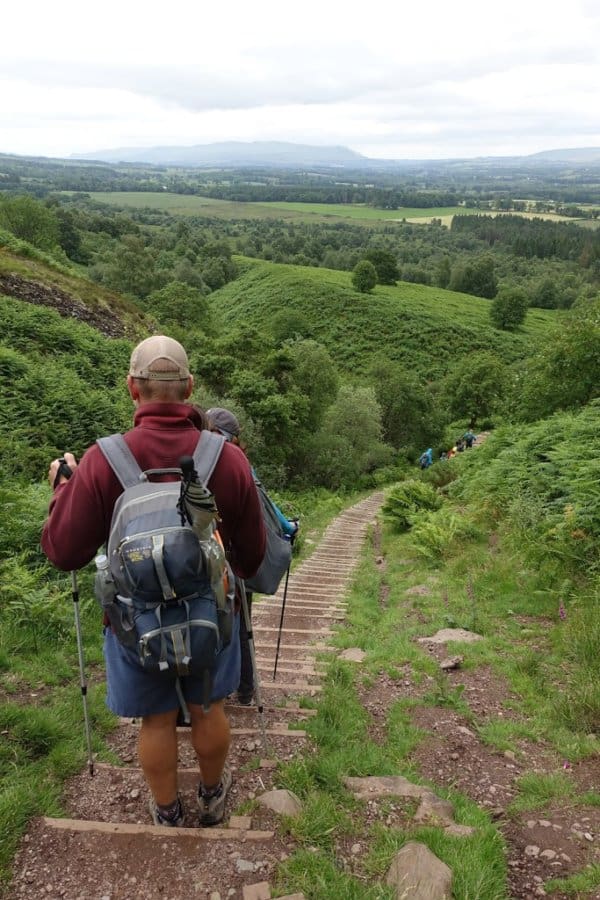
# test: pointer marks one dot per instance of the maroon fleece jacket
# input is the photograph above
(80, 511)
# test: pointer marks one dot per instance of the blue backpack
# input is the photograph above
(278, 550)
(167, 588)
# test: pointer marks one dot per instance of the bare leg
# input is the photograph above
(157, 752)
(211, 737)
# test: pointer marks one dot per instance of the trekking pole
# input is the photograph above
(285, 587)
(86, 718)
(64, 470)
(257, 694)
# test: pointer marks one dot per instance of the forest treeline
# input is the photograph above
(502, 184)
(138, 251)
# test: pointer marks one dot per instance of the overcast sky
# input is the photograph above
(392, 79)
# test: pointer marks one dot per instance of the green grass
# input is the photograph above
(182, 204)
(580, 885)
(344, 745)
(192, 205)
(426, 329)
(40, 746)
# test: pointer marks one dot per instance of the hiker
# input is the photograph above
(469, 438)
(426, 458)
(460, 446)
(224, 422)
(166, 428)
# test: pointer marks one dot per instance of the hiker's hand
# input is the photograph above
(57, 473)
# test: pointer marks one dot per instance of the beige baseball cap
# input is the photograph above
(159, 358)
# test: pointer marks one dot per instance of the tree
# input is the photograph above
(31, 221)
(545, 294)
(476, 387)
(131, 269)
(442, 272)
(385, 264)
(509, 308)
(349, 444)
(476, 277)
(410, 418)
(364, 276)
(565, 372)
(315, 375)
(180, 304)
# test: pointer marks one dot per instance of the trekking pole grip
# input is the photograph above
(64, 471)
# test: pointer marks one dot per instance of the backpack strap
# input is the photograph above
(207, 453)
(123, 463)
(120, 458)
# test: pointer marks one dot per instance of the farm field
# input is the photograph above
(186, 205)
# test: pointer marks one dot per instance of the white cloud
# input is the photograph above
(384, 79)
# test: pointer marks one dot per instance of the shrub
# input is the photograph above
(364, 276)
(406, 499)
(434, 532)
(509, 308)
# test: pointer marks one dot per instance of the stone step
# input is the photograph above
(267, 666)
(271, 645)
(129, 828)
(304, 612)
(317, 632)
(303, 603)
(291, 710)
(298, 687)
(186, 730)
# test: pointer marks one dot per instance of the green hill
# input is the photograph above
(426, 329)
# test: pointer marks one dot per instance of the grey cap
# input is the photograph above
(224, 421)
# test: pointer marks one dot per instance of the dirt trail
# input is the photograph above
(106, 850)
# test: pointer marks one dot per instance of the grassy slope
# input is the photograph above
(423, 327)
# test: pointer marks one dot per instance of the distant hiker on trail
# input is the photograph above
(426, 458)
(224, 422)
(460, 446)
(469, 438)
(166, 429)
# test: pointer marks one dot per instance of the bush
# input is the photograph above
(509, 308)
(434, 532)
(364, 276)
(406, 500)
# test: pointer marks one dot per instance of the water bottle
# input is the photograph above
(104, 586)
(106, 593)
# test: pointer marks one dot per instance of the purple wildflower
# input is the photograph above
(562, 613)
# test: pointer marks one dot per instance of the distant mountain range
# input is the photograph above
(231, 153)
(280, 153)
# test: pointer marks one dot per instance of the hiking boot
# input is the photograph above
(159, 818)
(212, 804)
(245, 699)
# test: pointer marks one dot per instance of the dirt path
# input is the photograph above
(106, 850)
